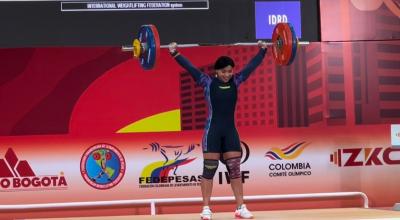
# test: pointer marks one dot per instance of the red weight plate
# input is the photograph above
(282, 53)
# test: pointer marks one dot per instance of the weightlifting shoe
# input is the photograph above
(206, 213)
(243, 213)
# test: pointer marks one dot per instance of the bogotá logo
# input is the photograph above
(102, 166)
(355, 157)
(284, 161)
(165, 172)
(18, 175)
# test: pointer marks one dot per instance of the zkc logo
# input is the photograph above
(18, 175)
(351, 157)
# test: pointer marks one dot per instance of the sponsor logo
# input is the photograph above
(224, 87)
(269, 13)
(395, 135)
(275, 19)
(283, 164)
(223, 177)
(102, 166)
(18, 175)
(290, 152)
(353, 157)
(165, 172)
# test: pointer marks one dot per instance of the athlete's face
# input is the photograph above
(225, 74)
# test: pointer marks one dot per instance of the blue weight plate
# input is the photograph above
(149, 38)
(294, 44)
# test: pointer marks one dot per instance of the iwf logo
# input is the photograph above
(164, 172)
(18, 175)
(351, 157)
(102, 166)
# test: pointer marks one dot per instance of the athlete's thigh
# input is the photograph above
(212, 141)
(232, 141)
(231, 154)
(211, 156)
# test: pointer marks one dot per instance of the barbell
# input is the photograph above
(146, 47)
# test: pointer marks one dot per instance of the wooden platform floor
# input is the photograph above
(308, 214)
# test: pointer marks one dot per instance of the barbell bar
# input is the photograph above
(146, 47)
(130, 48)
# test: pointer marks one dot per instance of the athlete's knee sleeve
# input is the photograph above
(209, 169)
(233, 166)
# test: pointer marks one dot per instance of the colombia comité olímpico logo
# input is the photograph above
(18, 175)
(282, 161)
(102, 166)
(164, 172)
